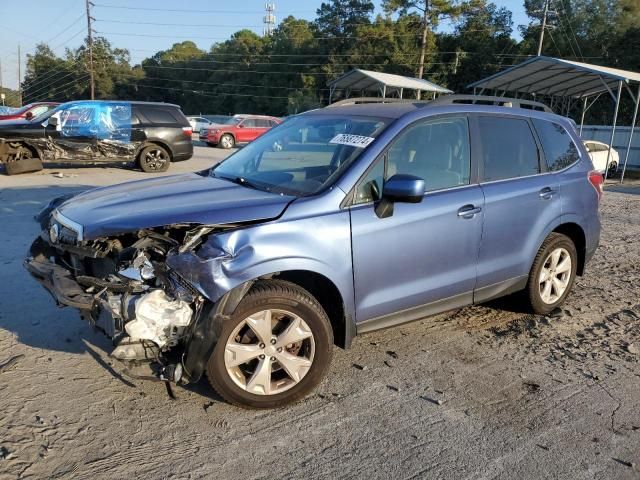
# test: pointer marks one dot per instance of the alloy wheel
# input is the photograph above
(269, 352)
(555, 275)
(156, 159)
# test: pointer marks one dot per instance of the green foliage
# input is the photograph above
(287, 72)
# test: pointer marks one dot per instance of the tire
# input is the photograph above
(154, 159)
(544, 301)
(613, 168)
(24, 165)
(288, 304)
(226, 141)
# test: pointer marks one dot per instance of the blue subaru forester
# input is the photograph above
(340, 221)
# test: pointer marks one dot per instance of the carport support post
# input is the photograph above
(613, 130)
(633, 126)
(584, 110)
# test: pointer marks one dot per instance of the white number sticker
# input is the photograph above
(351, 140)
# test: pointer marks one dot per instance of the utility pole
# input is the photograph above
(544, 26)
(90, 32)
(19, 77)
(423, 43)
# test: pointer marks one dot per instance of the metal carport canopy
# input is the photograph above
(557, 77)
(367, 80)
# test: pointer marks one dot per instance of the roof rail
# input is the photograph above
(362, 100)
(491, 100)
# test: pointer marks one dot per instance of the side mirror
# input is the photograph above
(241, 126)
(399, 188)
(53, 121)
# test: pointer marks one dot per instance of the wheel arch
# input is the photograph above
(159, 143)
(206, 330)
(577, 235)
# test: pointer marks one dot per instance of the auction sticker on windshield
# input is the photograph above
(351, 140)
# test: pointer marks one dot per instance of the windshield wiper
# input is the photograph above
(244, 182)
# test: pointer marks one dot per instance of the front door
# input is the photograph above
(246, 131)
(422, 259)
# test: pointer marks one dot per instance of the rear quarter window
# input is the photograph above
(162, 115)
(508, 148)
(559, 149)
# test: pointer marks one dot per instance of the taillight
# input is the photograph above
(188, 131)
(597, 180)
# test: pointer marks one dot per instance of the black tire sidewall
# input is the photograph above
(323, 338)
(143, 153)
(552, 242)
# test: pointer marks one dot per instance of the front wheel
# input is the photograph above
(154, 159)
(552, 274)
(226, 141)
(275, 348)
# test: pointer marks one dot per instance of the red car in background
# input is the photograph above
(239, 129)
(30, 111)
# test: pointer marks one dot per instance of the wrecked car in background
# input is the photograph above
(150, 134)
(337, 222)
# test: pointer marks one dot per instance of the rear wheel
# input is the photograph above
(153, 159)
(226, 141)
(613, 168)
(552, 274)
(275, 348)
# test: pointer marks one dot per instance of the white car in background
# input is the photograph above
(198, 123)
(598, 152)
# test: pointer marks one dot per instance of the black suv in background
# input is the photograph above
(150, 134)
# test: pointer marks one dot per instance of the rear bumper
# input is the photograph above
(182, 151)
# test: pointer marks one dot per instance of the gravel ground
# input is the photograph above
(488, 391)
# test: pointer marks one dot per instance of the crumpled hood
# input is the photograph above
(177, 199)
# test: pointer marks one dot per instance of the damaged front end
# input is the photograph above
(123, 286)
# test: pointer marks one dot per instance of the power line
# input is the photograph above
(215, 94)
(66, 29)
(342, 37)
(563, 5)
(182, 10)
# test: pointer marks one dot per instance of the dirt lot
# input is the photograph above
(484, 392)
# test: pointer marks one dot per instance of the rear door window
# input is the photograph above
(508, 148)
(249, 123)
(559, 149)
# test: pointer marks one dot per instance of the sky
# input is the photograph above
(63, 23)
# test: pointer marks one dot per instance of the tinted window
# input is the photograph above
(159, 115)
(249, 123)
(435, 150)
(272, 123)
(508, 148)
(559, 149)
(262, 123)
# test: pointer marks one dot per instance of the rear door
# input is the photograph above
(521, 200)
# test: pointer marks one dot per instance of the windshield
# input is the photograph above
(302, 155)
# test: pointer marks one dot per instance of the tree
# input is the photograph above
(431, 12)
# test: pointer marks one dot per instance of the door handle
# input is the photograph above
(468, 211)
(547, 193)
